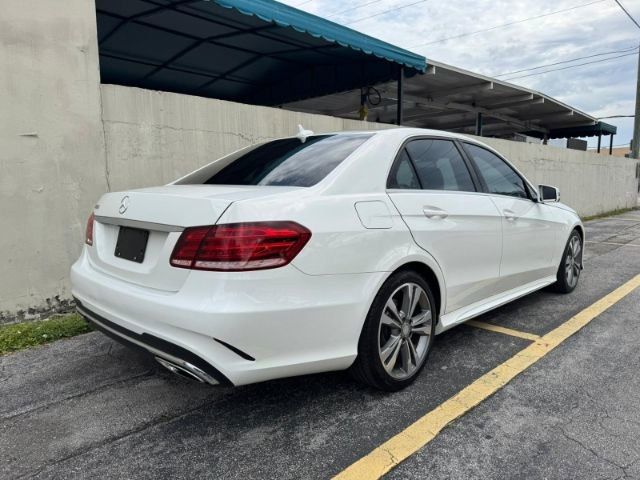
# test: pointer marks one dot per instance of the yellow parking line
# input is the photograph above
(503, 330)
(417, 435)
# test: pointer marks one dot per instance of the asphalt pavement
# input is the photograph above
(89, 408)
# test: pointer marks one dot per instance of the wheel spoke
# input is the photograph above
(407, 298)
(390, 321)
(421, 318)
(389, 353)
(388, 348)
(570, 275)
(414, 353)
(415, 299)
(577, 250)
(576, 270)
(425, 330)
(391, 308)
(405, 356)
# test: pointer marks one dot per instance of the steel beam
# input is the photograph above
(524, 125)
(400, 101)
(515, 105)
(479, 124)
(476, 87)
(503, 102)
(611, 144)
(545, 116)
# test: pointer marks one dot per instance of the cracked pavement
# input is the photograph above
(87, 407)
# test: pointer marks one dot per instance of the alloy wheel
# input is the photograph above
(573, 261)
(404, 331)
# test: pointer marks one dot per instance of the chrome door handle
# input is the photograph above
(434, 212)
(509, 214)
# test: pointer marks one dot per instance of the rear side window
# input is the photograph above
(440, 166)
(288, 162)
(403, 175)
(500, 178)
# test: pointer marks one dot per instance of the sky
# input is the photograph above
(601, 89)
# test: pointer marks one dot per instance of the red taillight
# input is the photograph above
(88, 236)
(239, 246)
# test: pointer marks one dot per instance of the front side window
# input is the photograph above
(287, 162)
(500, 178)
(440, 166)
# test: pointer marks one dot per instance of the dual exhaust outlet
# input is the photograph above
(185, 369)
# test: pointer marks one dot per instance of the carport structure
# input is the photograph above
(251, 51)
(453, 99)
(262, 52)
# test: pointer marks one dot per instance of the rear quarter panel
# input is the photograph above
(339, 244)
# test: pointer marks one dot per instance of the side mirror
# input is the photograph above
(548, 194)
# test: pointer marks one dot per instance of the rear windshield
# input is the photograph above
(289, 162)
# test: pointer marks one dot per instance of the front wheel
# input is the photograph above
(570, 265)
(398, 333)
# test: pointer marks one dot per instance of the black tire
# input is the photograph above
(368, 367)
(563, 283)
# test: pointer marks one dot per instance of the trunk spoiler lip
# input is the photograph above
(127, 222)
(144, 225)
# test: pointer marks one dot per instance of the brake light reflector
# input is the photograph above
(88, 236)
(239, 246)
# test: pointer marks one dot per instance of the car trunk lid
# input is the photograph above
(136, 231)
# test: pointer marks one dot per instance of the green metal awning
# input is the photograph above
(286, 16)
(251, 51)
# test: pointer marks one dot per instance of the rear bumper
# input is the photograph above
(236, 327)
(159, 348)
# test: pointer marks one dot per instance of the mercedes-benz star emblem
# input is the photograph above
(124, 204)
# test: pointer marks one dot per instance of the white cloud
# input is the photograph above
(601, 89)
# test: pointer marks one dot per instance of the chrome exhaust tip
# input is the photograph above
(185, 369)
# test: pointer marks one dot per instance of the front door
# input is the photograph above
(529, 230)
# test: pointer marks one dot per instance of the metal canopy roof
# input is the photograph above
(254, 51)
(267, 53)
(450, 98)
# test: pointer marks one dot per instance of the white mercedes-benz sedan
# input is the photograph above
(322, 252)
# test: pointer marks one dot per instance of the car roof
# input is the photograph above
(401, 133)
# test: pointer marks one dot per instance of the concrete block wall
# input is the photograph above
(153, 137)
(589, 182)
(52, 155)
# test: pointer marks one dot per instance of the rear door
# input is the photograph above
(435, 191)
(530, 231)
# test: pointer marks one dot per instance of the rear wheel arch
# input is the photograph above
(431, 278)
